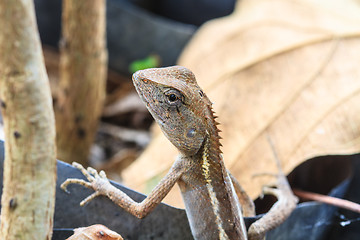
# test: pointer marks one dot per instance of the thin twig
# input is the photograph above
(342, 203)
(276, 156)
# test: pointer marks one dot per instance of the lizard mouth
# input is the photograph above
(155, 113)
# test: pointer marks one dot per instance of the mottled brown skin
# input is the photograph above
(212, 196)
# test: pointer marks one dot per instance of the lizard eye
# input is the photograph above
(173, 96)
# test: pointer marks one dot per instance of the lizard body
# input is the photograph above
(185, 115)
(211, 194)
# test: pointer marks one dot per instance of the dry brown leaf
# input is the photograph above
(280, 69)
(94, 232)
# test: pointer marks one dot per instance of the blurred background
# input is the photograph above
(285, 70)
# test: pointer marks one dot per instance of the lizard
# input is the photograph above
(94, 232)
(214, 200)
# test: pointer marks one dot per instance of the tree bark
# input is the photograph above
(83, 68)
(30, 153)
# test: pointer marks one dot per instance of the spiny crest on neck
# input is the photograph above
(214, 137)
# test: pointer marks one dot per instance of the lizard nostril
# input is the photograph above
(201, 93)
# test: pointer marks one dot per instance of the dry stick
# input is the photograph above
(83, 67)
(28, 196)
(342, 203)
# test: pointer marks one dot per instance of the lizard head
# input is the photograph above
(177, 104)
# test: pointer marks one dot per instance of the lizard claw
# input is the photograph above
(86, 173)
(269, 190)
(93, 172)
(96, 182)
(89, 198)
(102, 174)
(63, 186)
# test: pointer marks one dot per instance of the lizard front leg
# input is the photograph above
(101, 185)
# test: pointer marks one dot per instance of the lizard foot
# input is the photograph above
(97, 181)
(279, 212)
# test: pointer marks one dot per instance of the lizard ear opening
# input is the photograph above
(187, 139)
(191, 133)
